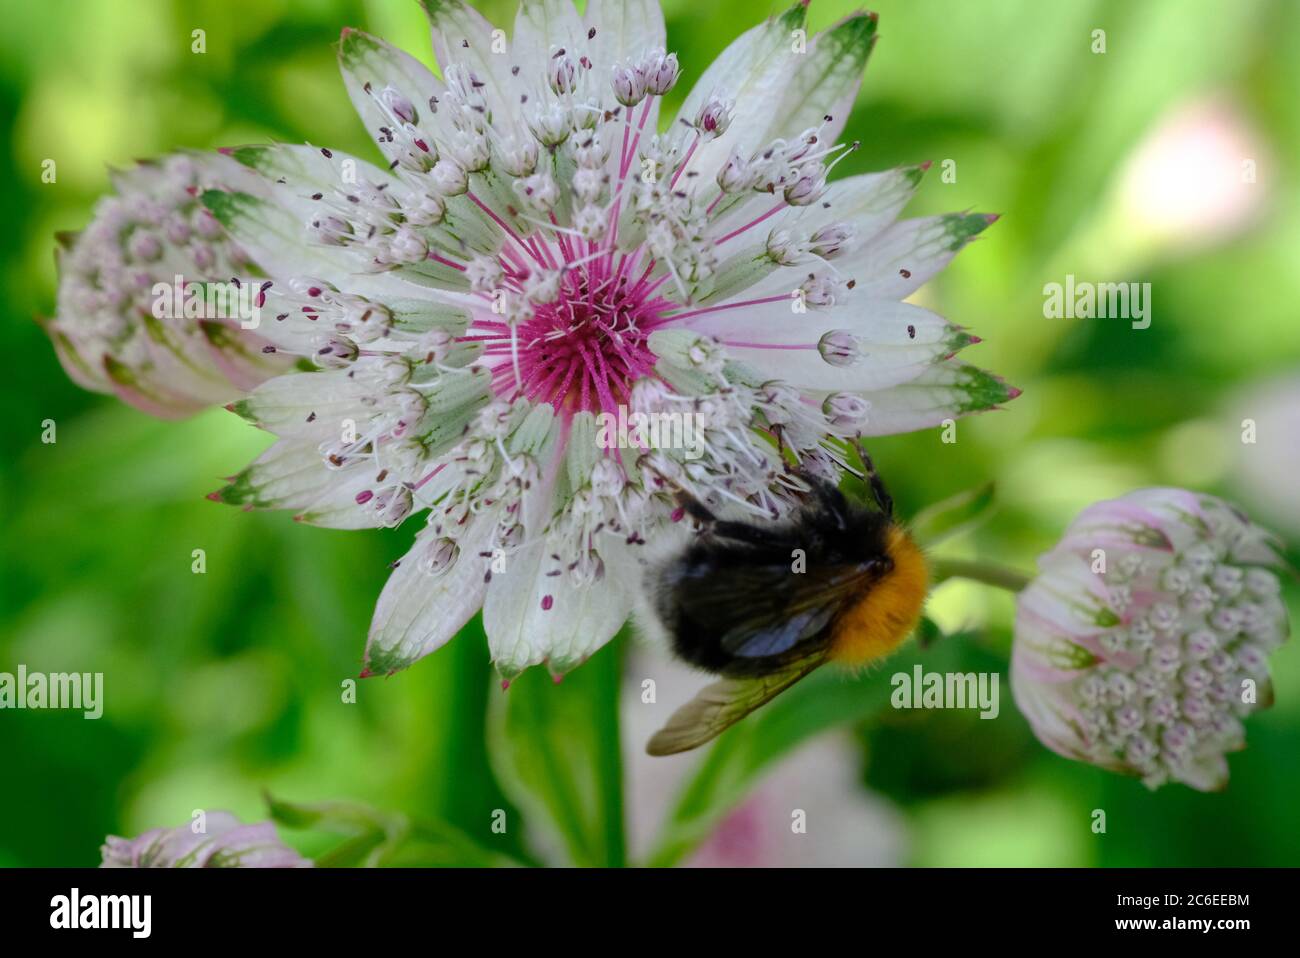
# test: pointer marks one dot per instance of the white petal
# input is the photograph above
(531, 617)
(869, 203)
(1209, 773)
(907, 254)
(541, 28)
(946, 390)
(1068, 599)
(1118, 526)
(181, 362)
(752, 71)
(364, 59)
(83, 369)
(271, 221)
(898, 341)
(269, 216)
(308, 405)
(779, 92)
(417, 612)
(1054, 718)
(825, 81)
(461, 35)
(292, 475)
(624, 29)
(145, 394)
(240, 355)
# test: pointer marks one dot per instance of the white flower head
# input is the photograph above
(593, 258)
(1144, 640)
(139, 314)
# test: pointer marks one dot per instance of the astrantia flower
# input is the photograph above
(224, 843)
(122, 325)
(1144, 640)
(536, 260)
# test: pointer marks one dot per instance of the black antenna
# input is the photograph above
(878, 491)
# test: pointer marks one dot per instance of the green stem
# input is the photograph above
(979, 571)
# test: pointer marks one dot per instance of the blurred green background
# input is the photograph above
(1134, 164)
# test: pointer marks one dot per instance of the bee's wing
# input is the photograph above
(768, 610)
(721, 705)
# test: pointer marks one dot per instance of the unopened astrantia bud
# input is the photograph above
(839, 347)
(629, 85)
(401, 108)
(808, 186)
(135, 317)
(828, 241)
(449, 177)
(539, 191)
(592, 222)
(714, 117)
(404, 246)
(846, 410)
(484, 274)
(661, 72)
(561, 73)
(218, 840)
(517, 154)
(470, 149)
(588, 183)
(822, 290)
(1144, 640)
(550, 125)
(542, 286)
(783, 249)
(590, 153)
(736, 175)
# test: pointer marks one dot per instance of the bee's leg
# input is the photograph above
(826, 493)
(724, 528)
(696, 509)
(744, 532)
(878, 490)
(691, 505)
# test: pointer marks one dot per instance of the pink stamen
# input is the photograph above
(685, 161)
(738, 345)
(425, 479)
(753, 223)
(779, 298)
(499, 221)
(445, 262)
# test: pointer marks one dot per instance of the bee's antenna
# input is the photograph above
(878, 490)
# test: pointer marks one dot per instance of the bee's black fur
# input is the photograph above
(737, 577)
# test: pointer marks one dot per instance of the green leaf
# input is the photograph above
(555, 750)
(744, 752)
(374, 838)
(953, 516)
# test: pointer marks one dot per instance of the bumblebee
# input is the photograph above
(764, 604)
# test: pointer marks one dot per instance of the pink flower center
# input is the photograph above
(584, 350)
